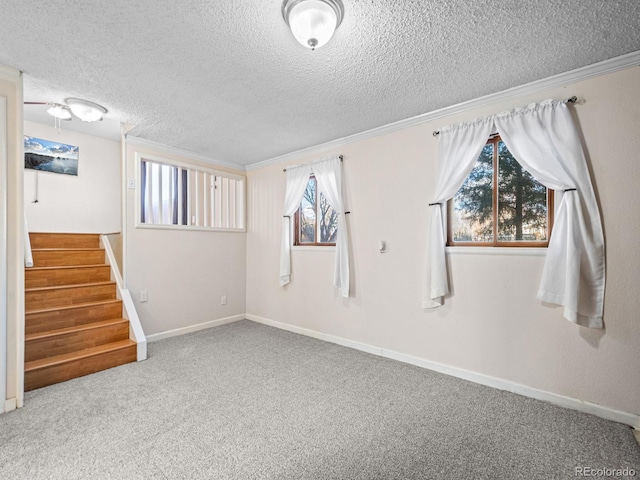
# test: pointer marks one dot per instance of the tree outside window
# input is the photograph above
(316, 222)
(515, 210)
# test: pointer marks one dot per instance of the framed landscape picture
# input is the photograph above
(48, 156)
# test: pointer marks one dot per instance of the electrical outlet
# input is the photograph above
(223, 300)
(144, 295)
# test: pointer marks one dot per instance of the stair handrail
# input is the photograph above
(28, 255)
(129, 307)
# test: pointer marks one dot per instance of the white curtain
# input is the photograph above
(297, 179)
(146, 215)
(459, 147)
(545, 141)
(159, 193)
(329, 176)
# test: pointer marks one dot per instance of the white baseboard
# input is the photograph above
(499, 383)
(524, 390)
(315, 334)
(194, 328)
(136, 333)
(10, 404)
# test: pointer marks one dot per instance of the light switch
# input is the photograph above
(131, 183)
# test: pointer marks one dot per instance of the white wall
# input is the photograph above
(13, 308)
(185, 272)
(87, 203)
(493, 323)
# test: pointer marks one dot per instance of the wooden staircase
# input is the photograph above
(73, 320)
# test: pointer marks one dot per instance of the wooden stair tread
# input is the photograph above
(57, 257)
(64, 339)
(58, 295)
(75, 285)
(67, 249)
(67, 357)
(75, 328)
(63, 267)
(50, 275)
(59, 239)
(70, 234)
(75, 305)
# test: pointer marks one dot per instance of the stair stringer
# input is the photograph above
(136, 333)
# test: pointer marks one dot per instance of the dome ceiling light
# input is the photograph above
(61, 112)
(313, 22)
(83, 109)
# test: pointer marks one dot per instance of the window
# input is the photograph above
(500, 204)
(183, 196)
(316, 222)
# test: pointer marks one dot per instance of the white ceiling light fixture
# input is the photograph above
(85, 110)
(59, 111)
(313, 22)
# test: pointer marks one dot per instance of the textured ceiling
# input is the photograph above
(227, 79)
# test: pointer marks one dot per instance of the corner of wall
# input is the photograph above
(11, 89)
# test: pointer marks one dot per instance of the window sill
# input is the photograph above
(313, 248)
(519, 251)
(164, 226)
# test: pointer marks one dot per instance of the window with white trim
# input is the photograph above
(316, 222)
(182, 196)
(500, 204)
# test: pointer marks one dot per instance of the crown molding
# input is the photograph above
(561, 80)
(166, 149)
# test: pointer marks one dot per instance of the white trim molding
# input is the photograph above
(10, 404)
(194, 328)
(124, 192)
(524, 390)
(197, 169)
(136, 333)
(315, 334)
(517, 251)
(482, 379)
(561, 80)
(9, 72)
(12, 249)
(3, 253)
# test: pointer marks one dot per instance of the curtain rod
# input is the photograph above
(339, 156)
(573, 99)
